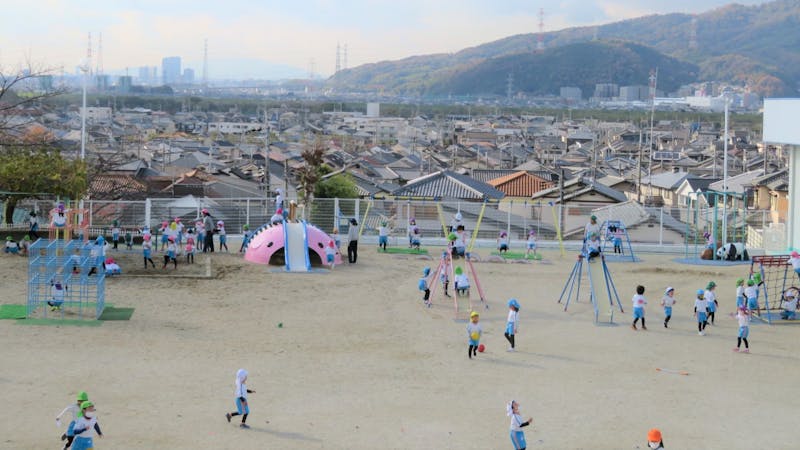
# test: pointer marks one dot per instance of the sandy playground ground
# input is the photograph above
(360, 363)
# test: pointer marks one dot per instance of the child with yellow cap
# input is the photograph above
(474, 332)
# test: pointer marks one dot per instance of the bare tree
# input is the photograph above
(20, 88)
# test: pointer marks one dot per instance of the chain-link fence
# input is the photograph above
(644, 225)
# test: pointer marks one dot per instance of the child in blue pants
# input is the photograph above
(242, 408)
(75, 410)
(515, 430)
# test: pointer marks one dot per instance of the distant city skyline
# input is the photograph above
(274, 39)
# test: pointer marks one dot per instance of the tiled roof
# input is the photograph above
(520, 184)
(116, 186)
(447, 184)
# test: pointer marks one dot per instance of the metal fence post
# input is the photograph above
(661, 227)
(147, 205)
(336, 213)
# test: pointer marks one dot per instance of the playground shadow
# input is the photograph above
(286, 434)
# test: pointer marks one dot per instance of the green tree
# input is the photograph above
(32, 166)
(338, 186)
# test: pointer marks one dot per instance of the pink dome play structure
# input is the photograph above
(295, 245)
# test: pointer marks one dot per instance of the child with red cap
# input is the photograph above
(654, 439)
(795, 262)
(330, 253)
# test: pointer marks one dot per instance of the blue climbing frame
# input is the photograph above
(68, 263)
(573, 284)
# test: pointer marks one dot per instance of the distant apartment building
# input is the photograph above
(124, 84)
(171, 70)
(234, 127)
(606, 91)
(571, 94)
(148, 75)
(373, 109)
(188, 76)
(634, 93)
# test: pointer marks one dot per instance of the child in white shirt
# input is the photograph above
(223, 238)
(700, 310)
(516, 433)
(73, 409)
(330, 253)
(424, 287)
(84, 426)
(511, 322)
(667, 301)
(711, 298)
(242, 408)
(789, 305)
(531, 244)
(461, 282)
(383, 235)
(744, 329)
(474, 332)
(751, 294)
(794, 260)
(502, 242)
(638, 307)
(740, 301)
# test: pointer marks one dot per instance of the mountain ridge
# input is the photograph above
(753, 45)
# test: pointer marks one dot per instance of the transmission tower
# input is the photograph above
(540, 37)
(311, 68)
(205, 62)
(89, 56)
(693, 34)
(338, 58)
(99, 68)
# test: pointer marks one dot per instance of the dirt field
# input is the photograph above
(359, 363)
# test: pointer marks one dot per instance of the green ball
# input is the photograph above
(280, 324)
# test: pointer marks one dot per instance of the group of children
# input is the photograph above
(475, 331)
(82, 426)
(706, 306)
(13, 247)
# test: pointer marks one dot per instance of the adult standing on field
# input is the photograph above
(352, 245)
(208, 225)
(591, 227)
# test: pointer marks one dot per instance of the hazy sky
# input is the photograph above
(247, 37)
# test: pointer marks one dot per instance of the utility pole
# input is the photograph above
(639, 168)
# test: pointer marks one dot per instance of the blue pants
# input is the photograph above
(510, 328)
(239, 407)
(70, 428)
(668, 311)
(518, 440)
(752, 303)
(788, 315)
(383, 240)
(638, 313)
(82, 443)
(474, 343)
(739, 302)
(744, 332)
(701, 316)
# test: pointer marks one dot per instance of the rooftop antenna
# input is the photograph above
(338, 58)
(205, 62)
(540, 37)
